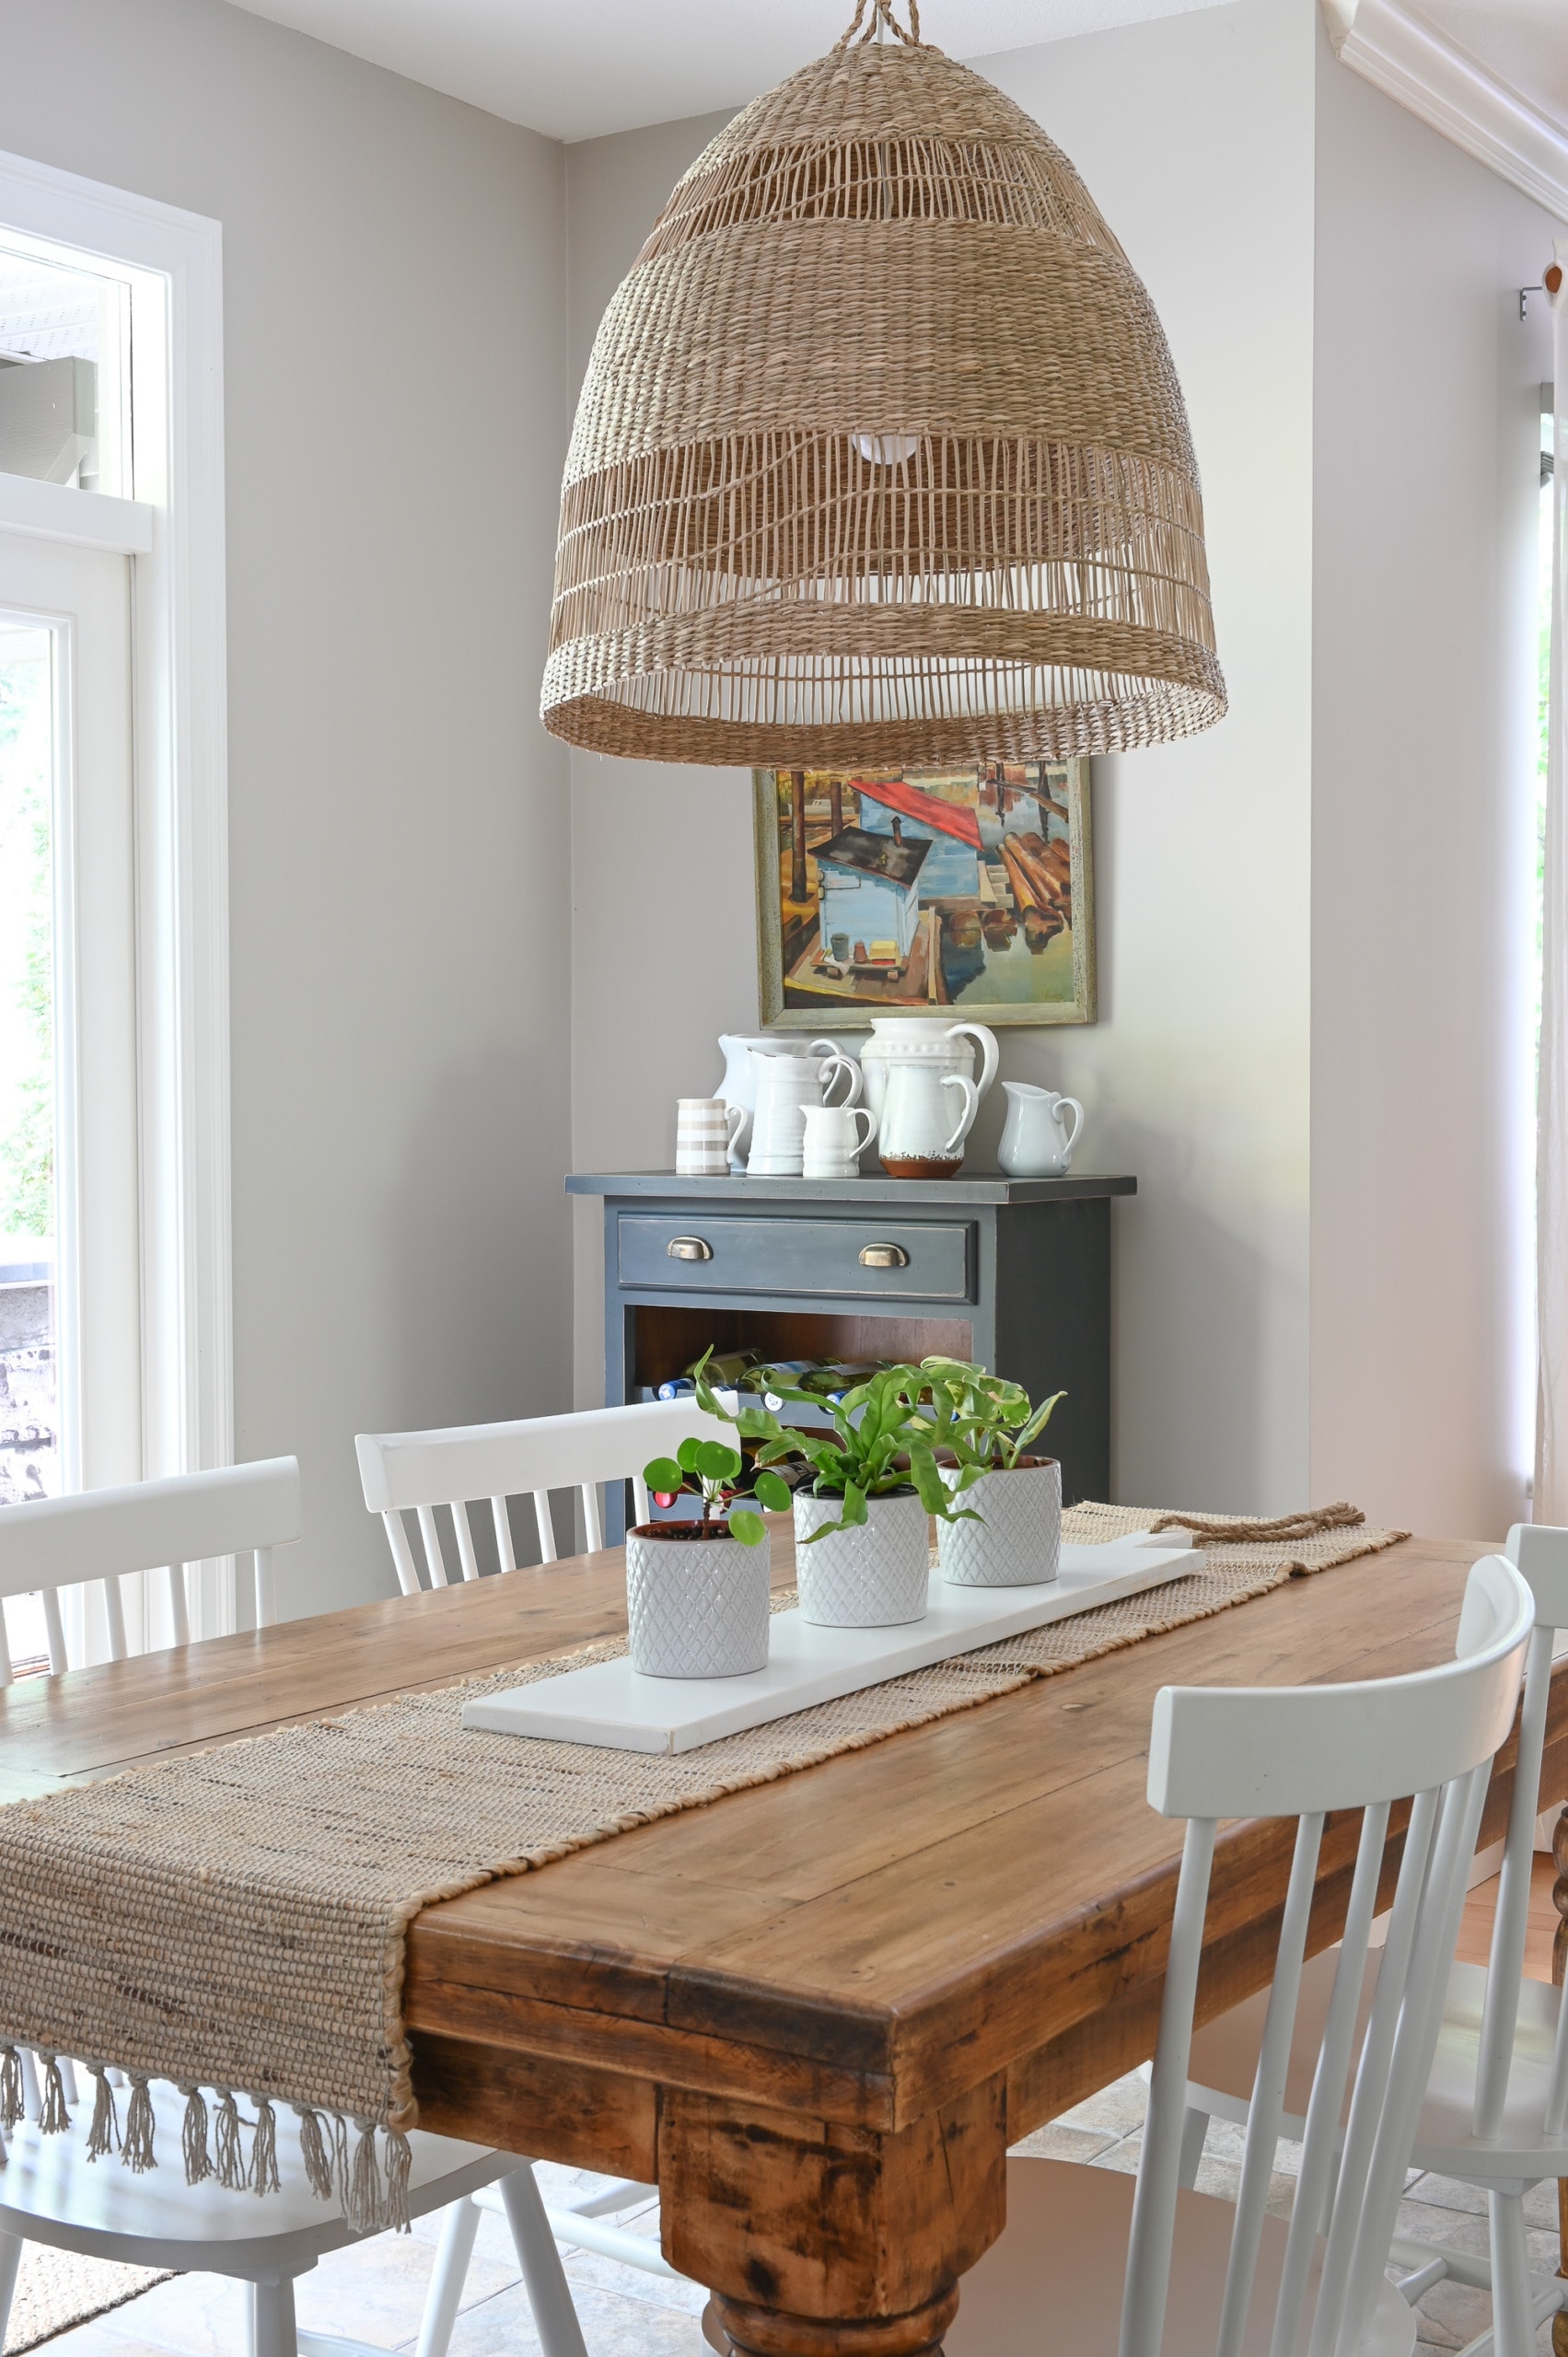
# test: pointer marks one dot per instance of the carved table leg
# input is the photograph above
(823, 2241)
(1559, 1960)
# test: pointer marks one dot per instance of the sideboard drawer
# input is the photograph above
(866, 1258)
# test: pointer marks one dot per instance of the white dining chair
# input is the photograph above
(1091, 2260)
(1495, 2111)
(98, 1537)
(420, 1473)
(50, 2191)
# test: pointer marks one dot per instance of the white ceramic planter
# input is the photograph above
(1018, 1542)
(875, 1574)
(698, 1608)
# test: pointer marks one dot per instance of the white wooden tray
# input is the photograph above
(611, 1704)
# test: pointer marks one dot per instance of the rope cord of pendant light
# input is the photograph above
(881, 18)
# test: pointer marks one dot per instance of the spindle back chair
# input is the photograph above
(420, 1472)
(98, 1536)
(1316, 2288)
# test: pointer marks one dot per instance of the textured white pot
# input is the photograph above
(875, 1574)
(698, 1608)
(1018, 1542)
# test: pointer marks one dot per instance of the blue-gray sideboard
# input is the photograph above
(1013, 1272)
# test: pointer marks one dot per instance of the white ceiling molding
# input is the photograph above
(1408, 58)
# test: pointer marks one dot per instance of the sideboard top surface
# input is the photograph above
(974, 1187)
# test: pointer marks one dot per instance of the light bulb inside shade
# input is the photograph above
(887, 449)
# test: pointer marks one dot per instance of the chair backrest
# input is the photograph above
(420, 1471)
(99, 1535)
(1541, 1553)
(1300, 1752)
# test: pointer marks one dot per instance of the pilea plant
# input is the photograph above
(716, 1473)
(880, 1443)
(982, 1422)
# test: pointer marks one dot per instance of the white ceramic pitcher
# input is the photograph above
(743, 1055)
(1036, 1140)
(926, 1115)
(932, 1038)
(786, 1087)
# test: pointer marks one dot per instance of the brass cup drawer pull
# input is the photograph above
(883, 1256)
(688, 1247)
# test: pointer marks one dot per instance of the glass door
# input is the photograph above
(70, 1314)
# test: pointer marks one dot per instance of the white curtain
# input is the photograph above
(1551, 1136)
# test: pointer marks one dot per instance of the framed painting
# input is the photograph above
(899, 890)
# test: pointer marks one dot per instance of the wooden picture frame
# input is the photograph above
(1007, 936)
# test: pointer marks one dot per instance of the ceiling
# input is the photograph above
(579, 70)
(1523, 42)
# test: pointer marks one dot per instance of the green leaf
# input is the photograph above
(664, 1474)
(715, 1460)
(934, 1491)
(690, 1454)
(750, 1529)
(855, 1505)
(773, 1493)
(1037, 1423)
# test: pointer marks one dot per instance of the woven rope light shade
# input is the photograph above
(880, 457)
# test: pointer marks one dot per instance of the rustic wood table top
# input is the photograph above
(817, 2011)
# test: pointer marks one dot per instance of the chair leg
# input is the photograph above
(1512, 2310)
(459, 2227)
(555, 2318)
(276, 2332)
(1194, 2127)
(10, 2260)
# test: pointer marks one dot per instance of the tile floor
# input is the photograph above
(375, 2290)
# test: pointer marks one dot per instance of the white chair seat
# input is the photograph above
(104, 2211)
(1224, 2062)
(1054, 2278)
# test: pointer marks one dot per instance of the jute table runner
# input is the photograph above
(236, 1922)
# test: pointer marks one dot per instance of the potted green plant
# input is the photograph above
(697, 1591)
(861, 1537)
(981, 1429)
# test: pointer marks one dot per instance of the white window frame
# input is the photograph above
(173, 532)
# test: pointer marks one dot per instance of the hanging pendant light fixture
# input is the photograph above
(881, 456)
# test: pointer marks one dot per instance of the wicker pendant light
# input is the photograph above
(880, 457)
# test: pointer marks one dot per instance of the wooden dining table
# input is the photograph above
(817, 2011)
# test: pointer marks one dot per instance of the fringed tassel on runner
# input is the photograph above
(55, 2119)
(362, 2208)
(264, 2150)
(140, 2122)
(314, 2154)
(229, 2164)
(400, 2160)
(198, 2160)
(104, 2134)
(11, 2102)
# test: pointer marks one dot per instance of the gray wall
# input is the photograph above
(394, 303)
(1425, 510)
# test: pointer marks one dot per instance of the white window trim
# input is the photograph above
(173, 531)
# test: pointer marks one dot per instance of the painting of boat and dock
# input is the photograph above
(894, 890)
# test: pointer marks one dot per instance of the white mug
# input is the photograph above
(705, 1131)
(833, 1142)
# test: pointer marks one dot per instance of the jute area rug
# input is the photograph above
(56, 2290)
(236, 1921)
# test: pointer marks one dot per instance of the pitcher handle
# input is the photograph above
(972, 1107)
(1069, 1143)
(734, 1121)
(864, 1112)
(838, 1062)
(988, 1055)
